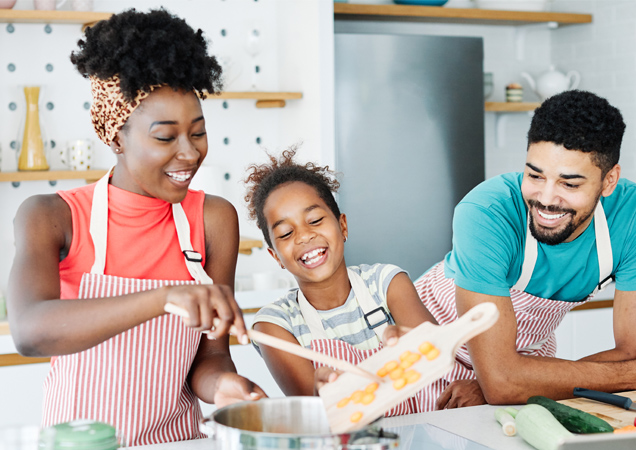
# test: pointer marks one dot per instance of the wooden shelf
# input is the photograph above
(69, 17)
(263, 99)
(510, 106)
(52, 175)
(454, 15)
(246, 245)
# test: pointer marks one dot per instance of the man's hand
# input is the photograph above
(234, 388)
(461, 393)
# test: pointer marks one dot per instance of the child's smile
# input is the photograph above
(307, 238)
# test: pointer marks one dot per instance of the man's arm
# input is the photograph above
(506, 377)
(624, 330)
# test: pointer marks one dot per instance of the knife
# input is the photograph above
(604, 397)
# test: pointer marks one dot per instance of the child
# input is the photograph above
(337, 310)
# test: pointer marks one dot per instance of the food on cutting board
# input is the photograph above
(399, 372)
(539, 428)
(573, 419)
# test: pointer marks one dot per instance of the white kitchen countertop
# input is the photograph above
(475, 423)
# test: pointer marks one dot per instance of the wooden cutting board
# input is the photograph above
(427, 351)
(615, 416)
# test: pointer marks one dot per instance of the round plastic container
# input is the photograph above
(80, 434)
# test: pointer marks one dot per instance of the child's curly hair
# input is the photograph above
(148, 49)
(264, 178)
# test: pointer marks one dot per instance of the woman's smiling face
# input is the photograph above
(162, 145)
(308, 240)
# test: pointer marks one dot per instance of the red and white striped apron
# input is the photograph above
(537, 317)
(343, 350)
(135, 381)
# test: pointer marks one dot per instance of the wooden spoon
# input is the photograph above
(286, 346)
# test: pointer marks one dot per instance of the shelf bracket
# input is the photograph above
(522, 30)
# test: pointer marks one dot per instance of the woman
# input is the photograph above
(96, 265)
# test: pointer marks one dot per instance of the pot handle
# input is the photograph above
(206, 426)
(573, 79)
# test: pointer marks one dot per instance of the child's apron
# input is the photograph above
(377, 319)
(537, 317)
(135, 381)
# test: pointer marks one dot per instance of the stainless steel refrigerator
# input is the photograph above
(409, 142)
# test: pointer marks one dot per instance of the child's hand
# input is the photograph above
(324, 375)
(232, 388)
(393, 333)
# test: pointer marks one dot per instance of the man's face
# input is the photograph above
(561, 188)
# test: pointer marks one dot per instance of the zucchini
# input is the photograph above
(573, 419)
(538, 427)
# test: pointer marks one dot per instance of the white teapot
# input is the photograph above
(552, 82)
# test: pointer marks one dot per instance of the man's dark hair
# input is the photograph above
(582, 121)
(265, 178)
(148, 49)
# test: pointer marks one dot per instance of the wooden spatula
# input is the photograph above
(280, 344)
(424, 354)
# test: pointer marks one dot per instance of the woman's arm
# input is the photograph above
(213, 376)
(294, 375)
(44, 325)
(41, 323)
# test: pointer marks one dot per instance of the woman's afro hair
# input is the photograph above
(265, 178)
(580, 120)
(147, 49)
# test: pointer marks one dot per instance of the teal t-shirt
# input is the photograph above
(489, 232)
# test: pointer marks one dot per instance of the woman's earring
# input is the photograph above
(345, 238)
(117, 150)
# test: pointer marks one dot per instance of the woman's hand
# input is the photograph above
(233, 388)
(209, 307)
(461, 393)
(324, 375)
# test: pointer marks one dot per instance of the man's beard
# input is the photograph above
(554, 237)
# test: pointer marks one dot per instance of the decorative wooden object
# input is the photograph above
(32, 156)
(436, 347)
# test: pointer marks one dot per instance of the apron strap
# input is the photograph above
(377, 317)
(603, 250)
(99, 222)
(99, 232)
(193, 259)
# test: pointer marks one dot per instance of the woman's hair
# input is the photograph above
(580, 120)
(148, 49)
(264, 178)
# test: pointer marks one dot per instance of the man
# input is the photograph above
(537, 244)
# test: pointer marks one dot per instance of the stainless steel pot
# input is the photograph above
(288, 423)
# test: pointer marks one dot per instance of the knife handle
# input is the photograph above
(604, 397)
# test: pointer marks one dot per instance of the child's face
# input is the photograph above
(308, 239)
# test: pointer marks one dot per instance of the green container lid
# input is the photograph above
(79, 434)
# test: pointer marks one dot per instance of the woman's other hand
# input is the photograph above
(233, 388)
(210, 307)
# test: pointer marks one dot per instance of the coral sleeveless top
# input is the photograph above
(133, 221)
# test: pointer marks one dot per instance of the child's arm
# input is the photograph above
(294, 375)
(405, 304)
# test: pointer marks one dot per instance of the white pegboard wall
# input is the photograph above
(226, 24)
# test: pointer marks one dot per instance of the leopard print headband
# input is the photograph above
(110, 110)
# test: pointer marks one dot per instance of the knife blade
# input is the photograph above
(604, 397)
